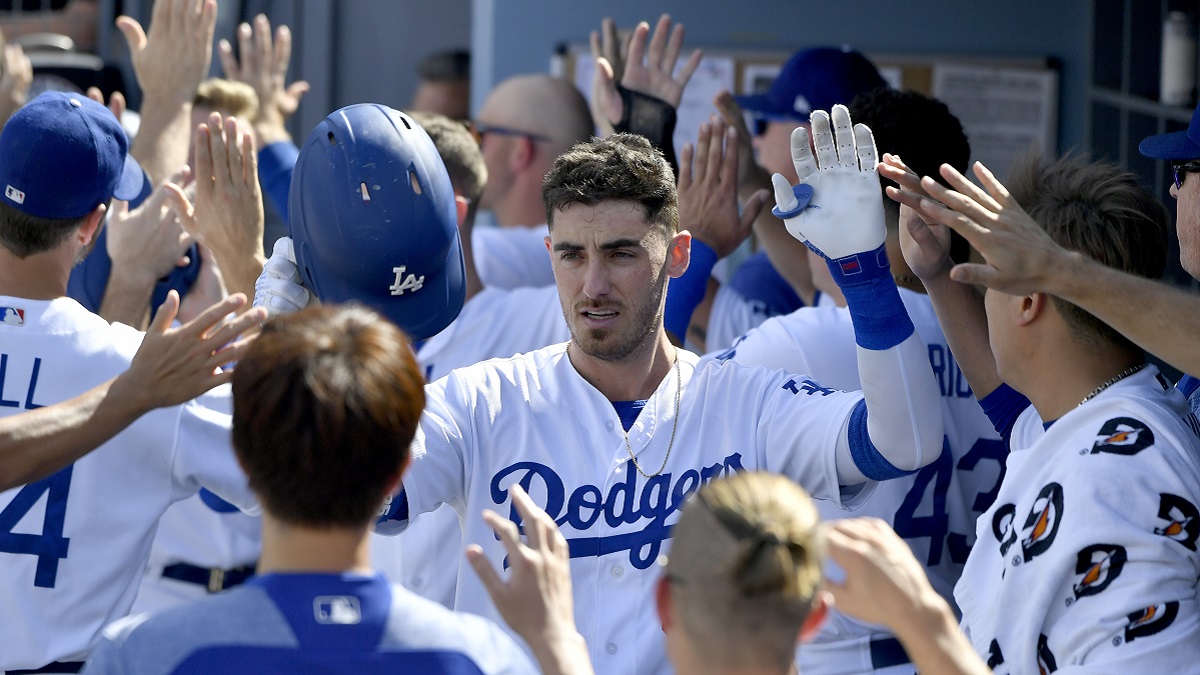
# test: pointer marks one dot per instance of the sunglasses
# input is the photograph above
(479, 130)
(1182, 169)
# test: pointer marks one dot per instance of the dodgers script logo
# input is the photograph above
(627, 502)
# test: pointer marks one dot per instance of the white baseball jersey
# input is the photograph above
(534, 420)
(72, 546)
(193, 532)
(934, 509)
(512, 257)
(1088, 557)
(733, 315)
(495, 323)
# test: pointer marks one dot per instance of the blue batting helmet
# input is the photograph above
(373, 219)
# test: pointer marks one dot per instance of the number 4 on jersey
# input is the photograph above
(49, 546)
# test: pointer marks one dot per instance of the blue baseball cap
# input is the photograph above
(62, 155)
(814, 79)
(1175, 145)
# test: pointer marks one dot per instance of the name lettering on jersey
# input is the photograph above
(9, 379)
(808, 387)
(628, 502)
(1003, 529)
(1182, 517)
(1154, 619)
(342, 610)
(1043, 521)
(995, 657)
(403, 282)
(1123, 436)
(951, 381)
(1099, 565)
(1046, 662)
(12, 316)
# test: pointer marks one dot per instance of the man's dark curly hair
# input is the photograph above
(622, 167)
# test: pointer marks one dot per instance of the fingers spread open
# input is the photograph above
(822, 141)
(802, 155)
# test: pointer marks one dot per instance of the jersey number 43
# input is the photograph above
(50, 546)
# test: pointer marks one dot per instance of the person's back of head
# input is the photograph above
(526, 122)
(228, 97)
(923, 132)
(61, 157)
(1101, 212)
(445, 86)
(919, 129)
(459, 152)
(744, 573)
(622, 167)
(325, 405)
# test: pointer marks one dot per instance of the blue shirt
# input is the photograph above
(331, 623)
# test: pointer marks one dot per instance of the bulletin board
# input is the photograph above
(1006, 105)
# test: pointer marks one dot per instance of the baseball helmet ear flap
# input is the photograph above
(373, 219)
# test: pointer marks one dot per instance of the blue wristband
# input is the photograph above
(876, 310)
(685, 293)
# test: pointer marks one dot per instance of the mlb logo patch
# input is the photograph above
(11, 316)
(342, 610)
(14, 194)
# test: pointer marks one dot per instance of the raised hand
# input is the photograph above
(148, 241)
(536, 600)
(116, 102)
(264, 66)
(648, 71)
(173, 59)
(708, 199)
(16, 74)
(837, 208)
(925, 243)
(175, 365)
(227, 217)
(1017, 251)
(170, 63)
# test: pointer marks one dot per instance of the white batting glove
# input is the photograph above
(837, 208)
(279, 289)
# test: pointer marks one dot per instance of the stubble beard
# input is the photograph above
(592, 342)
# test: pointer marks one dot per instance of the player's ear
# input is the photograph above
(679, 253)
(816, 616)
(521, 152)
(460, 207)
(90, 227)
(662, 603)
(1031, 307)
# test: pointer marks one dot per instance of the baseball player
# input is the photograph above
(73, 545)
(934, 509)
(610, 431)
(638, 408)
(325, 405)
(493, 323)
(1088, 556)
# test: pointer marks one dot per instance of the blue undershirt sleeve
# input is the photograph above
(1003, 406)
(275, 164)
(876, 310)
(866, 456)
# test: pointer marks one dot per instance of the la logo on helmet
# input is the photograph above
(403, 283)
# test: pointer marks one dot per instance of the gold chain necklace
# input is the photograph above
(1120, 376)
(674, 425)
